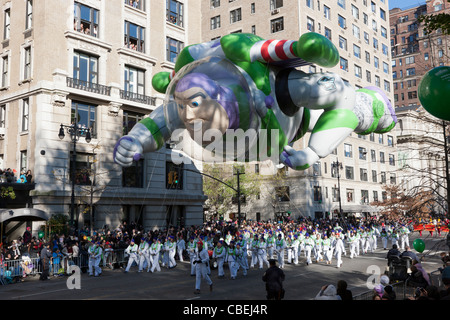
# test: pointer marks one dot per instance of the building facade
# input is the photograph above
(420, 136)
(359, 29)
(90, 63)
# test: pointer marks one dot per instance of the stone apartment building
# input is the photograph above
(91, 62)
(420, 136)
(360, 31)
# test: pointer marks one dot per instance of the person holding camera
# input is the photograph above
(201, 268)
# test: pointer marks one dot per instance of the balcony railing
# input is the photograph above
(127, 95)
(88, 86)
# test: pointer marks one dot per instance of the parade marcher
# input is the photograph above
(274, 277)
(45, 260)
(352, 240)
(254, 250)
(404, 237)
(394, 237)
(181, 246)
(280, 245)
(309, 243)
(131, 250)
(171, 248)
(295, 246)
(262, 253)
(240, 258)
(144, 255)
(244, 245)
(154, 251)
(107, 255)
(270, 245)
(232, 260)
(95, 254)
(327, 249)
(384, 238)
(219, 253)
(289, 249)
(201, 268)
(192, 248)
(339, 249)
(375, 235)
(318, 248)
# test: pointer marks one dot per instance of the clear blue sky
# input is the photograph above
(404, 3)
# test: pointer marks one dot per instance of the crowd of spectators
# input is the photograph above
(9, 176)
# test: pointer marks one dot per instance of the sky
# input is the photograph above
(404, 3)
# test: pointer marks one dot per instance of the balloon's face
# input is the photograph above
(199, 112)
(210, 93)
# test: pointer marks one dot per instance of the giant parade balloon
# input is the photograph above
(242, 98)
(434, 92)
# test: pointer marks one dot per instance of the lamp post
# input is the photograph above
(75, 131)
(336, 166)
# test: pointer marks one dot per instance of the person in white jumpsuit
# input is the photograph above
(171, 248)
(181, 246)
(201, 268)
(280, 246)
(155, 250)
(262, 253)
(219, 253)
(144, 255)
(309, 243)
(132, 252)
(339, 249)
(95, 255)
(192, 251)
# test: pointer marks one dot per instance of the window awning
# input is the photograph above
(23, 214)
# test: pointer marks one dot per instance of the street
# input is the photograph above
(302, 282)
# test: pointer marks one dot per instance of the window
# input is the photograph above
(310, 24)
(25, 114)
(366, 38)
(215, 4)
(134, 36)
(23, 160)
(375, 43)
(84, 115)
(375, 196)
(383, 32)
(392, 178)
(215, 22)
(364, 196)
(277, 25)
(357, 51)
(365, 19)
(349, 173)
(356, 32)
(348, 152)
(410, 71)
(386, 68)
(342, 22)
(376, 62)
(392, 160)
(362, 153)
(5, 70)
(363, 174)
(383, 14)
(85, 68)
(252, 8)
(374, 176)
(343, 64)
(316, 169)
(134, 80)
(350, 195)
(341, 3)
(373, 6)
(2, 116)
(335, 194)
(342, 43)
(173, 48)
(377, 81)
(84, 166)
(373, 156)
(328, 33)
(387, 86)
(374, 26)
(381, 157)
(29, 15)
(174, 13)
(383, 177)
(282, 193)
(85, 19)
(27, 63)
(136, 4)
(368, 76)
(326, 12)
(317, 193)
(310, 4)
(358, 71)
(275, 4)
(130, 119)
(355, 12)
(235, 15)
(7, 24)
(133, 176)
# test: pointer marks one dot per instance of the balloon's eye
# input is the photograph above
(195, 103)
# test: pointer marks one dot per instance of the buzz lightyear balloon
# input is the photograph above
(241, 98)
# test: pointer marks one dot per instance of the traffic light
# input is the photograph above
(174, 176)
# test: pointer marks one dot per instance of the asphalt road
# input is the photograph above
(302, 282)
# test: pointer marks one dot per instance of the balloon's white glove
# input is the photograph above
(127, 150)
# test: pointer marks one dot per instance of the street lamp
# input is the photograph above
(75, 132)
(336, 166)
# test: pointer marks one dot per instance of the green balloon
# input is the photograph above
(41, 234)
(419, 245)
(434, 92)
